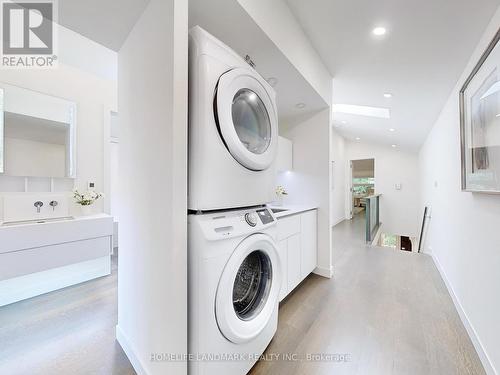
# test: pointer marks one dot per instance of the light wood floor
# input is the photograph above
(388, 311)
(66, 332)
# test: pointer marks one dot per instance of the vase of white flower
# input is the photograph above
(86, 200)
(280, 193)
(86, 210)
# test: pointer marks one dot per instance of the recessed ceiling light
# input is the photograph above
(358, 139)
(379, 31)
(272, 81)
(392, 130)
(300, 105)
(388, 95)
(393, 146)
(362, 110)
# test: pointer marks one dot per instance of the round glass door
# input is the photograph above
(248, 291)
(247, 118)
(251, 121)
(252, 285)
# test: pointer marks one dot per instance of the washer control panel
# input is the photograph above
(265, 216)
(217, 225)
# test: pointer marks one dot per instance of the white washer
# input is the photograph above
(233, 128)
(234, 284)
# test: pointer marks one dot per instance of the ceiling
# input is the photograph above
(219, 18)
(107, 22)
(419, 60)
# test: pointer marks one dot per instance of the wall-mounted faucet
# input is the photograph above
(53, 204)
(38, 205)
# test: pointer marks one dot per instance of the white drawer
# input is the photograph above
(288, 226)
(24, 262)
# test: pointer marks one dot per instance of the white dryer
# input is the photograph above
(233, 128)
(234, 283)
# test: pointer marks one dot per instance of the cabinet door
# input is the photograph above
(288, 226)
(294, 260)
(283, 254)
(308, 238)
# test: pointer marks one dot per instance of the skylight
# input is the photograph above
(362, 110)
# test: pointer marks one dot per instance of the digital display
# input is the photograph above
(265, 216)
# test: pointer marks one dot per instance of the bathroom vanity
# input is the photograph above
(41, 256)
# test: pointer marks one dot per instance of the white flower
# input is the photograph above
(280, 190)
(87, 198)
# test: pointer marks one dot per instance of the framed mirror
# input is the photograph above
(480, 123)
(37, 134)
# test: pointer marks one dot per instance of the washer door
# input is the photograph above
(247, 119)
(248, 290)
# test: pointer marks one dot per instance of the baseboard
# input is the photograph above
(127, 347)
(325, 272)
(483, 356)
(338, 221)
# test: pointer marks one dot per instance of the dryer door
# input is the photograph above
(248, 291)
(247, 118)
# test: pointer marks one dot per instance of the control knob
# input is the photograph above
(251, 218)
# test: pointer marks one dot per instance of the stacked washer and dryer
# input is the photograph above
(234, 268)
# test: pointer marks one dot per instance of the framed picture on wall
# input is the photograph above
(480, 123)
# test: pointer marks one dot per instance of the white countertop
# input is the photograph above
(48, 221)
(290, 209)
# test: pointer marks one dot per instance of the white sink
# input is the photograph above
(37, 221)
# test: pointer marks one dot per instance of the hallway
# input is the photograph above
(383, 312)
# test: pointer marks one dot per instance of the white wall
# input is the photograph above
(152, 272)
(309, 183)
(339, 184)
(84, 54)
(277, 20)
(399, 209)
(463, 231)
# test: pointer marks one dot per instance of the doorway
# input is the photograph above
(362, 184)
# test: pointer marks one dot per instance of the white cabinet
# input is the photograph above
(297, 249)
(39, 257)
(288, 226)
(308, 242)
(294, 262)
(284, 160)
(283, 253)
